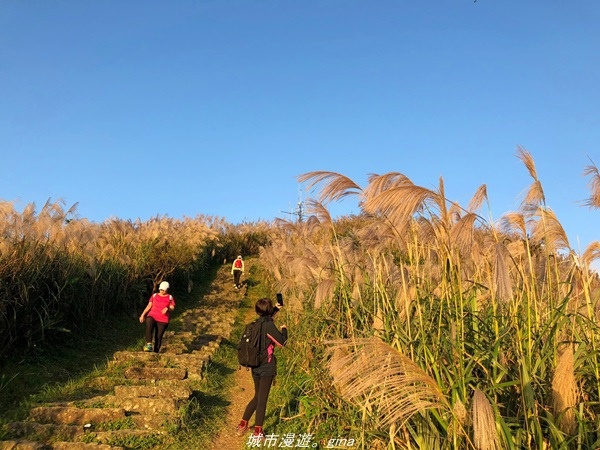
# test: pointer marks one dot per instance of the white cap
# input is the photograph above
(163, 286)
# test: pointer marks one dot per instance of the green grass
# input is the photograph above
(45, 373)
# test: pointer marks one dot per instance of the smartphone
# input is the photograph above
(280, 299)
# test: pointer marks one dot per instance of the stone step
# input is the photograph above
(44, 431)
(194, 360)
(23, 445)
(104, 437)
(145, 405)
(156, 422)
(140, 405)
(191, 319)
(68, 415)
(211, 341)
(177, 391)
(84, 446)
(59, 445)
(109, 384)
(155, 373)
(187, 335)
(127, 355)
(176, 348)
(182, 360)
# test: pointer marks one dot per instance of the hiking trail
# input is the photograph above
(146, 402)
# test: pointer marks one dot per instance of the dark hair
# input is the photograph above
(264, 307)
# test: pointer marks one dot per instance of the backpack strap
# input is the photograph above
(260, 339)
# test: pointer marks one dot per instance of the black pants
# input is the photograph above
(156, 328)
(236, 277)
(262, 386)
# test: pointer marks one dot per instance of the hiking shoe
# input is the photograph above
(241, 428)
(148, 347)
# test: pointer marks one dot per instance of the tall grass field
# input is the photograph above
(422, 324)
(418, 323)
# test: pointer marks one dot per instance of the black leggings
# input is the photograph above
(262, 386)
(236, 277)
(158, 328)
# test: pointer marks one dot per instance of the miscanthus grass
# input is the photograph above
(59, 272)
(423, 310)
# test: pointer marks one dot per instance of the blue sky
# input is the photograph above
(135, 109)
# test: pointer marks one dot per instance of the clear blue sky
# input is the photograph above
(142, 108)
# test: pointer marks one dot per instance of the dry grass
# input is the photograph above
(502, 282)
(535, 193)
(564, 390)
(594, 184)
(335, 186)
(485, 436)
(591, 253)
(472, 303)
(478, 198)
(549, 230)
(396, 390)
(66, 270)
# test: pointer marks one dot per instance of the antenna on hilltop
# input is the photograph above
(298, 211)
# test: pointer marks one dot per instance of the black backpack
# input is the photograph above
(250, 346)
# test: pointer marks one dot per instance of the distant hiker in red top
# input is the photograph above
(156, 316)
(237, 269)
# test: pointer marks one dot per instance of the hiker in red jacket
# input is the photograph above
(237, 269)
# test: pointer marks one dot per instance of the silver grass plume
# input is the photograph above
(535, 193)
(594, 200)
(335, 186)
(549, 230)
(502, 282)
(485, 435)
(564, 391)
(394, 392)
(591, 253)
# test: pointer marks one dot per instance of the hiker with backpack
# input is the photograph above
(263, 374)
(237, 269)
(156, 316)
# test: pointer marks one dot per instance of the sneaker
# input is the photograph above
(241, 428)
(258, 431)
(148, 347)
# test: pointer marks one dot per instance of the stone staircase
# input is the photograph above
(145, 402)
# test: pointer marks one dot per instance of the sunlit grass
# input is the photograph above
(484, 308)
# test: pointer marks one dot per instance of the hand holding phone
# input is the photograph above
(279, 299)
